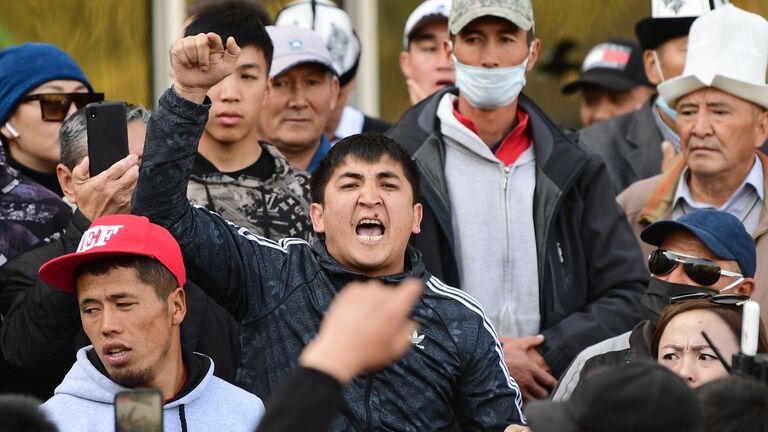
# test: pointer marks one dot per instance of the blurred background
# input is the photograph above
(122, 45)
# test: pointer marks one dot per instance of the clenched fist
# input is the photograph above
(199, 62)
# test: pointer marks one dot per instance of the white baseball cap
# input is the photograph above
(294, 46)
(427, 11)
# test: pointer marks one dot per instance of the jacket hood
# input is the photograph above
(84, 381)
(414, 267)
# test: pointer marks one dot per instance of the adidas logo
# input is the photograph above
(416, 339)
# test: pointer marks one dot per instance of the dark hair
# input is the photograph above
(261, 11)
(20, 413)
(734, 404)
(238, 19)
(148, 270)
(368, 147)
(730, 314)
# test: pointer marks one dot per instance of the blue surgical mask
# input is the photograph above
(490, 88)
(661, 103)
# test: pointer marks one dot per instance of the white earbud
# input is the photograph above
(12, 131)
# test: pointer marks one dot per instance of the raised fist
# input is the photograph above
(199, 62)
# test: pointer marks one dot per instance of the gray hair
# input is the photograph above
(73, 135)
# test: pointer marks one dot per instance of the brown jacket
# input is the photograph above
(650, 200)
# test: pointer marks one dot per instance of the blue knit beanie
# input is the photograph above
(25, 67)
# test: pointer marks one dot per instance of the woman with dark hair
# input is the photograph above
(679, 344)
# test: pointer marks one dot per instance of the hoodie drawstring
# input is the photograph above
(182, 418)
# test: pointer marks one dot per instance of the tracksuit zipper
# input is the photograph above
(368, 389)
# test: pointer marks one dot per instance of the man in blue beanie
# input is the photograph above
(38, 83)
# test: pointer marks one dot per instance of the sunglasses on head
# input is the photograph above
(55, 106)
(721, 299)
(702, 271)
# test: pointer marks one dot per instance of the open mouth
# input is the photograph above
(370, 230)
(442, 83)
(116, 355)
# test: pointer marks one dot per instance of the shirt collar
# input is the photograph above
(754, 181)
(322, 150)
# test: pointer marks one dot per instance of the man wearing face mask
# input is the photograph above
(635, 145)
(529, 234)
(707, 251)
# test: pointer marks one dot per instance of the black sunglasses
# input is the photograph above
(55, 106)
(721, 299)
(702, 271)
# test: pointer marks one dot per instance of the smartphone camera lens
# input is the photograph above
(92, 113)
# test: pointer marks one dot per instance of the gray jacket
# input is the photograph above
(630, 145)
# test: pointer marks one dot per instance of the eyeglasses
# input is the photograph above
(702, 271)
(721, 299)
(55, 106)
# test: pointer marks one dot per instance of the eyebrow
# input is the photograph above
(358, 176)
(250, 65)
(697, 348)
(58, 88)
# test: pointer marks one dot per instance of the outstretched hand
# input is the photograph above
(199, 62)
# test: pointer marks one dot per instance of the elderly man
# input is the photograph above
(38, 85)
(425, 60)
(612, 81)
(303, 91)
(722, 101)
(128, 276)
(707, 251)
(635, 145)
(537, 262)
(335, 27)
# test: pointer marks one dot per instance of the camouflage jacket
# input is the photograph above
(30, 214)
(275, 208)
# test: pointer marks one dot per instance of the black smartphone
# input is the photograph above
(107, 135)
(139, 411)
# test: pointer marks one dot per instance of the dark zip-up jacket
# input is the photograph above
(279, 292)
(591, 273)
(41, 330)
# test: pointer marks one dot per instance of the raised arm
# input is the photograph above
(218, 257)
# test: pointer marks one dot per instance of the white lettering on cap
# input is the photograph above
(97, 236)
(683, 8)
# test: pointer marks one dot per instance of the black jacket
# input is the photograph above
(279, 291)
(591, 272)
(41, 330)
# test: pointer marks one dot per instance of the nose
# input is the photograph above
(110, 323)
(490, 56)
(298, 99)
(72, 109)
(370, 196)
(444, 62)
(702, 125)
(688, 371)
(230, 91)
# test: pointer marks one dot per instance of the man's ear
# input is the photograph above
(178, 303)
(535, 50)
(405, 64)
(316, 214)
(418, 213)
(762, 127)
(649, 63)
(746, 288)
(335, 88)
(65, 181)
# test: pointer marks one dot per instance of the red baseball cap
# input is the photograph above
(114, 236)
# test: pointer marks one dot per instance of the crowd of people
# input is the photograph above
(268, 257)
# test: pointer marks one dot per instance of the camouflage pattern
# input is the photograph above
(275, 209)
(463, 12)
(30, 214)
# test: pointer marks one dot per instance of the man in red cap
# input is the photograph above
(128, 276)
